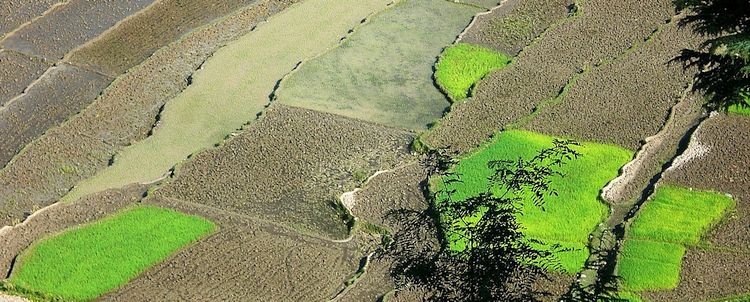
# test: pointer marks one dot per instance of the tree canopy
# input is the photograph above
(724, 59)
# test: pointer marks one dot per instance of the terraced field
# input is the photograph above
(386, 76)
(230, 90)
(269, 150)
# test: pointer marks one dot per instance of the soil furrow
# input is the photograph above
(124, 113)
(67, 26)
(588, 38)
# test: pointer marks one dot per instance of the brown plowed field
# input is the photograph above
(125, 112)
(603, 31)
(60, 217)
(14, 13)
(126, 45)
(390, 191)
(245, 260)
(627, 100)
(510, 28)
(708, 276)
(726, 169)
(59, 94)
(290, 167)
(70, 25)
(17, 71)
(723, 269)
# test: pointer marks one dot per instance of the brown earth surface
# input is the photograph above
(246, 260)
(717, 159)
(60, 93)
(708, 276)
(724, 168)
(59, 217)
(17, 71)
(657, 152)
(624, 101)
(603, 31)
(126, 45)
(70, 25)
(290, 167)
(124, 113)
(14, 13)
(511, 27)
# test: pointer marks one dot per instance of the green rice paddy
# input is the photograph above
(86, 262)
(674, 219)
(462, 65)
(568, 218)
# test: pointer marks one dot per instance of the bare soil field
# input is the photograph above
(725, 168)
(717, 159)
(124, 113)
(624, 101)
(383, 73)
(17, 71)
(290, 167)
(232, 89)
(70, 25)
(60, 93)
(245, 260)
(59, 217)
(708, 276)
(513, 26)
(14, 13)
(126, 45)
(602, 31)
(657, 151)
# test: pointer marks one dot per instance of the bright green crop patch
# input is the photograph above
(744, 110)
(568, 218)
(462, 65)
(672, 219)
(86, 262)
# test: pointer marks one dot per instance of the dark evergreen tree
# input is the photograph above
(724, 59)
(498, 262)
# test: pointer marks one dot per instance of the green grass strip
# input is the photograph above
(673, 219)
(568, 218)
(86, 262)
(742, 110)
(463, 65)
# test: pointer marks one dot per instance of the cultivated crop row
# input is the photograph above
(14, 13)
(603, 30)
(124, 113)
(290, 167)
(17, 71)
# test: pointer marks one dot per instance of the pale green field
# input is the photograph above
(383, 72)
(232, 88)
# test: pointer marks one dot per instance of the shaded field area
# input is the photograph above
(111, 251)
(125, 112)
(671, 221)
(516, 24)
(290, 168)
(245, 260)
(568, 218)
(63, 91)
(14, 13)
(126, 45)
(383, 72)
(70, 25)
(717, 159)
(17, 71)
(540, 72)
(231, 89)
(626, 100)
